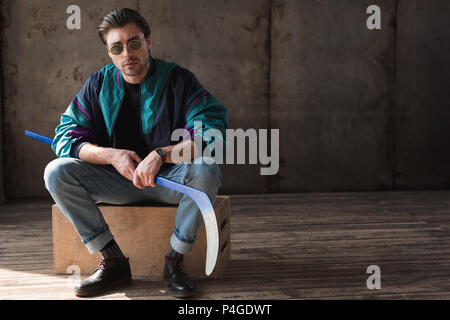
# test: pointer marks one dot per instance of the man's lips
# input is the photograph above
(129, 64)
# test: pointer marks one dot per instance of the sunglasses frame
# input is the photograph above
(128, 46)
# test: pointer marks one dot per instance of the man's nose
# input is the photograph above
(127, 52)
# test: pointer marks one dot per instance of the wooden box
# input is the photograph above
(143, 234)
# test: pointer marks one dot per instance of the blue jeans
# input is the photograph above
(76, 186)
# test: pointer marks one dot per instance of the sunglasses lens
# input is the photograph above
(134, 45)
(117, 49)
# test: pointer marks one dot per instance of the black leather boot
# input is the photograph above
(110, 273)
(179, 282)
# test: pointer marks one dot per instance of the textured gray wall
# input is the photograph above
(357, 109)
(423, 95)
(331, 81)
(2, 190)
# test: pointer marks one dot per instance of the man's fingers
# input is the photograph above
(136, 158)
(137, 181)
(148, 180)
(129, 171)
(151, 181)
(143, 175)
(130, 175)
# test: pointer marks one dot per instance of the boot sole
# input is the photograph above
(180, 294)
(113, 285)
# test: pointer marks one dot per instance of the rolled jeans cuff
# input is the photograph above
(99, 242)
(180, 246)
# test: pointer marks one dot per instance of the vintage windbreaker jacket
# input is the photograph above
(171, 98)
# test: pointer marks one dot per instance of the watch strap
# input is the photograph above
(162, 154)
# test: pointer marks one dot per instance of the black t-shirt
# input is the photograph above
(127, 130)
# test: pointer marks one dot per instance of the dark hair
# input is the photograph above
(120, 17)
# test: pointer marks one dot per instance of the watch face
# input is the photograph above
(161, 153)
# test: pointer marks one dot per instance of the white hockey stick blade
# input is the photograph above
(209, 218)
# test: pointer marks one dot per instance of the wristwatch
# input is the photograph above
(162, 154)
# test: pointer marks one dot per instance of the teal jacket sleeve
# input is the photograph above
(76, 124)
(203, 112)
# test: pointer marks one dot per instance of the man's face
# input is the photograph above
(131, 63)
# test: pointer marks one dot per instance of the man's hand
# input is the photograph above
(122, 160)
(146, 171)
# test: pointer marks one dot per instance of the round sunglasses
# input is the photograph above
(133, 45)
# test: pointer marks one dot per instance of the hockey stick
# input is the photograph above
(200, 198)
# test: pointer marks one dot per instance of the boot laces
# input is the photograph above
(102, 264)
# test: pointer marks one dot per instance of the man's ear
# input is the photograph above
(149, 41)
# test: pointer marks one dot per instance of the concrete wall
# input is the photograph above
(422, 153)
(357, 109)
(2, 190)
(331, 95)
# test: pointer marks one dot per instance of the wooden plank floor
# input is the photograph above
(286, 246)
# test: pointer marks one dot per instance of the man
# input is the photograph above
(115, 137)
